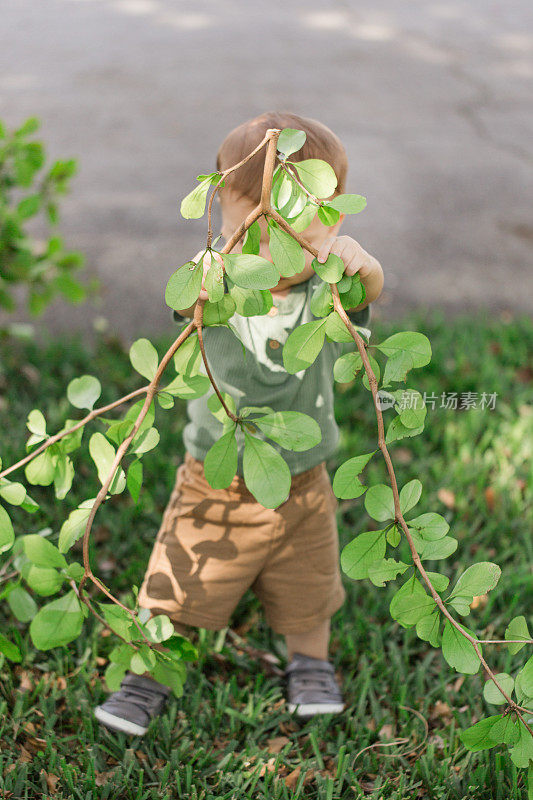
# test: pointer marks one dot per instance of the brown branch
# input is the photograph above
(96, 412)
(198, 322)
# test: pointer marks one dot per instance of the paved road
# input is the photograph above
(431, 97)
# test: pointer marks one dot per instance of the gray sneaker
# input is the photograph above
(312, 687)
(130, 710)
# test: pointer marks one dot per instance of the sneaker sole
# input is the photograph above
(311, 709)
(118, 723)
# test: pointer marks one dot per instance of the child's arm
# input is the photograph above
(355, 260)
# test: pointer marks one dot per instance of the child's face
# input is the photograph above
(235, 209)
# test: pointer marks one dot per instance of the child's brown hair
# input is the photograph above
(321, 143)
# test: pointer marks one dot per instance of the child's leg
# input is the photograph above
(313, 643)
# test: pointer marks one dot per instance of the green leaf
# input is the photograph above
(290, 141)
(7, 534)
(57, 623)
(317, 176)
(36, 423)
(144, 358)
(43, 581)
(142, 660)
(22, 604)
(219, 313)
(478, 736)
(134, 479)
(415, 344)
(172, 676)
(440, 582)
(216, 408)
(187, 358)
(84, 392)
(13, 493)
(251, 272)
(386, 570)
(458, 651)
(346, 484)
(492, 694)
(331, 270)
(117, 619)
(476, 580)
(183, 287)
(410, 603)
(347, 203)
(252, 240)
(410, 495)
(505, 731)
(397, 430)
(63, 475)
(347, 366)
(266, 474)
(114, 675)
(40, 471)
(411, 408)
(321, 300)
(336, 330)
(287, 255)
(434, 550)
(379, 502)
(74, 526)
(355, 295)
(214, 281)
(397, 367)
(189, 387)
(394, 536)
(303, 345)
(144, 441)
(193, 205)
(291, 429)
(41, 552)
(361, 552)
(428, 628)
(10, 650)
(517, 629)
(430, 526)
(524, 682)
(103, 454)
(250, 302)
(522, 752)
(220, 464)
(159, 628)
(328, 216)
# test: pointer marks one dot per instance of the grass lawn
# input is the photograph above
(230, 735)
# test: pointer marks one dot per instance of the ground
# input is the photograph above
(432, 99)
(230, 735)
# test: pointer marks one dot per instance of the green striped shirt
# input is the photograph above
(257, 376)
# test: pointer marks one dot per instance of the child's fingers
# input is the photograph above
(325, 249)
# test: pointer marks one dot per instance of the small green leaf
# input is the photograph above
(328, 216)
(492, 694)
(134, 479)
(430, 526)
(118, 620)
(287, 255)
(22, 604)
(266, 474)
(251, 272)
(321, 300)
(458, 651)
(159, 628)
(252, 240)
(505, 731)
(347, 366)
(428, 628)
(346, 483)
(63, 475)
(440, 582)
(317, 176)
(379, 502)
(183, 287)
(144, 358)
(10, 650)
(336, 330)
(290, 141)
(517, 629)
(193, 205)
(115, 673)
(189, 387)
(303, 345)
(103, 454)
(347, 203)
(410, 603)
(476, 580)
(144, 441)
(187, 358)
(219, 313)
(397, 430)
(330, 270)
(478, 736)
(291, 429)
(57, 623)
(524, 683)
(214, 281)
(216, 408)
(220, 464)
(354, 296)
(250, 302)
(84, 392)
(415, 344)
(7, 534)
(522, 752)
(41, 552)
(410, 495)
(361, 552)
(386, 570)
(40, 471)
(74, 526)
(36, 423)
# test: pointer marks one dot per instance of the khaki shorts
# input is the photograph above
(214, 544)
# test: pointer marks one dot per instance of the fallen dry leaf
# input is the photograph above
(269, 766)
(441, 711)
(292, 778)
(101, 778)
(447, 497)
(51, 781)
(490, 497)
(386, 732)
(277, 744)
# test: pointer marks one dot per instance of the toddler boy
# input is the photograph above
(214, 544)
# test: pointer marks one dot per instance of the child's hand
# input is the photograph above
(355, 260)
